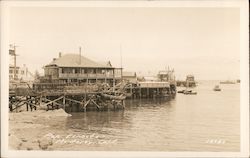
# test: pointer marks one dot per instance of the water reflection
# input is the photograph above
(185, 123)
(133, 103)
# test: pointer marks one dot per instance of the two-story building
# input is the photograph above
(73, 68)
(22, 73)
(190, 81)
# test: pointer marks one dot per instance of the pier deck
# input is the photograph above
(79, 97)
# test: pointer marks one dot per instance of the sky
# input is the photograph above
(204, 42)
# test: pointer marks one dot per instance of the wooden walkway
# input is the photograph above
(74, 99)
(65, 100)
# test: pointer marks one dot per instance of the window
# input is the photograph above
(77, 70)
(85, 71)
(99, 71)
(82, 71)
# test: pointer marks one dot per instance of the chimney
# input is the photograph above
(80, 56)
(60, 54)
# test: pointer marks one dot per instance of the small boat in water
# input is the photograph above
(217, 88)
(181, 91)
(189, 92)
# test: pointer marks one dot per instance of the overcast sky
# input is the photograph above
(204, 42)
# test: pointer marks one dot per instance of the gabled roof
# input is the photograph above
(106, 63)
(74, 60)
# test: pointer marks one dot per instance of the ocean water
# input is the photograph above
(208, 121)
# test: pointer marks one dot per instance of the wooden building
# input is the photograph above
(22, 73)
(166, 75)
(129, 76)
(190, 82)
(76, 69)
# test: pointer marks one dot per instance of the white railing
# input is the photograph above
(77, 75)
(70, 75)
(153, 84)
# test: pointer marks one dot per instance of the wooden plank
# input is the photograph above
(86, 103)
(73, 100)
(64, 102)
(51, 101)
(17, 106)
(95, 103)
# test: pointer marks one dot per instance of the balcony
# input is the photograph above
(84, 76)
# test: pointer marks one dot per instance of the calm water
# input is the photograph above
(208, 121)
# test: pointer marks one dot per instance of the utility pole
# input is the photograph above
(121, 61)
(12, 52)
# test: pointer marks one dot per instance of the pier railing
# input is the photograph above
(154, 84)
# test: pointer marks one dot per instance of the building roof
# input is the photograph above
(106, 63)
(128, 74)
(74, 60)
(12, 66)
(150, 78)
(163, 72)
(190, 75)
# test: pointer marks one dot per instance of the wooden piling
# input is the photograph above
(64, 102)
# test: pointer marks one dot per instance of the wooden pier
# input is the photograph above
(71, 98)
(85, 97)
(150, 90)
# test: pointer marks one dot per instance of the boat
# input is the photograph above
(227, 82)
(189, 92)
(181, 91)
(217, 88)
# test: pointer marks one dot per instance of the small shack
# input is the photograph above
(129, 76)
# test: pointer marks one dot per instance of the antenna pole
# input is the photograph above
(121, 54)
(80, 54)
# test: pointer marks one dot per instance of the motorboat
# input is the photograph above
(189, 92)
(217, 88)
